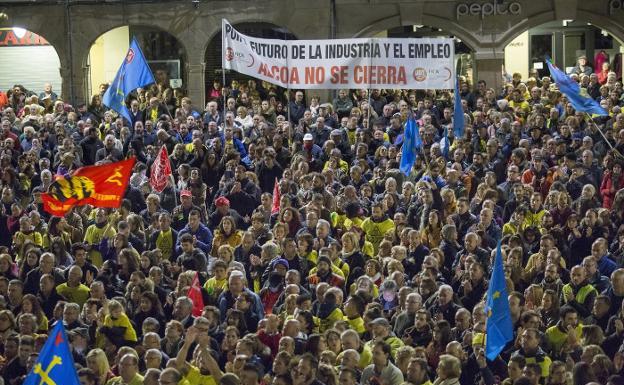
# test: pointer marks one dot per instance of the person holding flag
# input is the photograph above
(458, 113)
(499, 327)
(55, 364)
(133, 73)
(412, 144)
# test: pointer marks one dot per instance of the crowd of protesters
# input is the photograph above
(360, 275)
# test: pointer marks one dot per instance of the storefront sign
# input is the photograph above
(487, 9)
(8, 38)
(426, 63)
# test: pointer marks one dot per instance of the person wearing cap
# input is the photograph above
(79, 338)
(325, 111)
(312, 152)
(382, 332)
(324, 273)
(582, 67)
(340, 138)
(222, 209)
(181, 212)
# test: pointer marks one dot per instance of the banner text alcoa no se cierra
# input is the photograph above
(358, 50)
(337, 74)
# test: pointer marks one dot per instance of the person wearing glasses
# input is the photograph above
(128, 371)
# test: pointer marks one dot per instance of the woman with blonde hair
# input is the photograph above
(449, 201)
(98, 363)
(352, 255)
(448, 371)
(533, 295)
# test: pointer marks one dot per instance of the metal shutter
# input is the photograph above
(31, 67)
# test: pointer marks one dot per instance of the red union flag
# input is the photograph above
(195, 296)
(161, 170)
(100, 186)
(275, 208)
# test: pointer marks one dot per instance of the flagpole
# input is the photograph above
(603, 135)
(223, 71)
(369, 91)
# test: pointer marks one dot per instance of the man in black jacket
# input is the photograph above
(268, 171)
(90, 146)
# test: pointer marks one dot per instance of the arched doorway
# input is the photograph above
(164, 53)
(213, 69)
(32, 57)
(564, 41)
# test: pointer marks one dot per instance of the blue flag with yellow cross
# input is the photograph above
(55, 364)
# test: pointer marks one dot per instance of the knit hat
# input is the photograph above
(222, 201)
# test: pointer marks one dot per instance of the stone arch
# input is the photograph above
(396, 21)
(214, 41)
(600, 21)
(182, 53)
(30, 41)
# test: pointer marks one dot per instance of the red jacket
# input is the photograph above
(605, 188)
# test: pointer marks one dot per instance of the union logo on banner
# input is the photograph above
(130, 56)
(229, 54)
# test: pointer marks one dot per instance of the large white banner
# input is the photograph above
(425, 63)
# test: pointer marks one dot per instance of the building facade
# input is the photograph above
(485, 26)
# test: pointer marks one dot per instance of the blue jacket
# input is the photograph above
(203, 235)
(606, 266)
(240, 147)
(226, 301)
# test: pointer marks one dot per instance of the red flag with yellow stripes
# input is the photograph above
(100, 186)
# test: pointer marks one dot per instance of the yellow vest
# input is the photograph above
(557, 338)
(375, 231)
(544, 364)
(582, 293)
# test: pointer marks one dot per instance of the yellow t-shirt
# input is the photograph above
(93, 237)
(122, 321)
(213, 284)
(79, 294)
(196, 378)
(164, 242)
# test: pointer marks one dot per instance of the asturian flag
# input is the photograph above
(55, 364)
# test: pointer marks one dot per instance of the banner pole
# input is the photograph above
(370, 107)
(603, 135)
(223, 69)
(175, 194)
